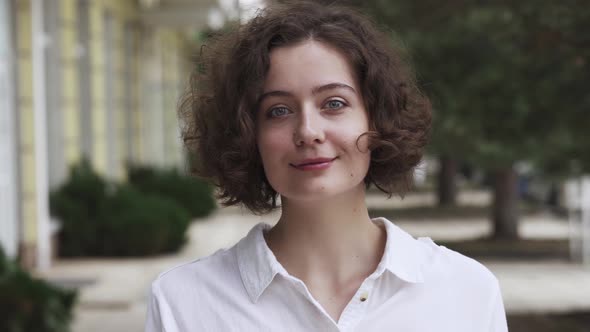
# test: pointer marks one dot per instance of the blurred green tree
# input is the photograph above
(508, 82)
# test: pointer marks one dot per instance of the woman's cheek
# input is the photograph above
(278, 140)
(272, 144)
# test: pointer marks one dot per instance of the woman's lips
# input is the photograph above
(314, 164)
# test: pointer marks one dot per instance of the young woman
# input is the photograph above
(311, 103)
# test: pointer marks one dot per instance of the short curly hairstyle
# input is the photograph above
(218, 111)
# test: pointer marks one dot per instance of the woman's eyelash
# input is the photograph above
(273, 114)
(334, 104)
(338, 101)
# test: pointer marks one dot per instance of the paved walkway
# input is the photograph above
(113, 292)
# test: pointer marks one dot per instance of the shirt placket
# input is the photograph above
(302, 289)
(356, 308)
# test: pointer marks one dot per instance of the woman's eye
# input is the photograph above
(335, 104)
(278, 112)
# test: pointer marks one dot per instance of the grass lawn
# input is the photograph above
(442, 212)
(528, 249)
(431, 212)
(482, 247)
(570, 322)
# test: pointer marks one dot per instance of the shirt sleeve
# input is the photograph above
(153, 321)
(498, 322)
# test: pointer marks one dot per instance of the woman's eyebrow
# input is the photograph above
(314, 91)
(331, 86)
(276, 93)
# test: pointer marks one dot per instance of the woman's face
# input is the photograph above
(310, 116)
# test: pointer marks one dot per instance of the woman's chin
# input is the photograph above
(321, 192)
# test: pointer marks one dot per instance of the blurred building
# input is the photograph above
(95, 79)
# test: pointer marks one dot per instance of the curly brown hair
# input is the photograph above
(218, 112)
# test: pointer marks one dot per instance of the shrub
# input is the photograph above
(103, 219)
(79, 204)
(141, 224)
(194, 195)
(29, 304)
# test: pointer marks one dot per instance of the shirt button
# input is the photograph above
(364, 297)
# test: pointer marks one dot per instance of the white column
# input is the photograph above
(84, 78)
(577, 200)
(9, 202)
(154, 92)
(159, 107)
(585, 215)
(40, 41)
(112, 150)
(572, 203)
(56, 162)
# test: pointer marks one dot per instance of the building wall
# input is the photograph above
(26, 148)
(69, 75)
(98, 98)
(172, 75)
(134, 72)
(161, 71)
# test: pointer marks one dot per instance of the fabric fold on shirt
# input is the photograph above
(417, 286)
(403, 256)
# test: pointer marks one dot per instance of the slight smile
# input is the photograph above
(314, 164)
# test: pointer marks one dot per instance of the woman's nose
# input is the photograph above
(309, 128)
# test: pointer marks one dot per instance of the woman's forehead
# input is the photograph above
(308, 65)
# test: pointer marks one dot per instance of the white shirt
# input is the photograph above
(417, 286)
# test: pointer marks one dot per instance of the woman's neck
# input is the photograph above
(329, 242)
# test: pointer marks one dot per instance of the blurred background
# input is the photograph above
(95, 199)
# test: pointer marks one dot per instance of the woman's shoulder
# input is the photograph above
(456, 269)
(199, 274)
(196, 293)
(435, 263)
(218, 272)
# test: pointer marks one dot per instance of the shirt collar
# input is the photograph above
(256, 262)
(403, 256)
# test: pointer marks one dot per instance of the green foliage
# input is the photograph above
(508, 79)
(31, 305)
(105, 219)
(137, 224)
(193, 194)
(80, 204)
